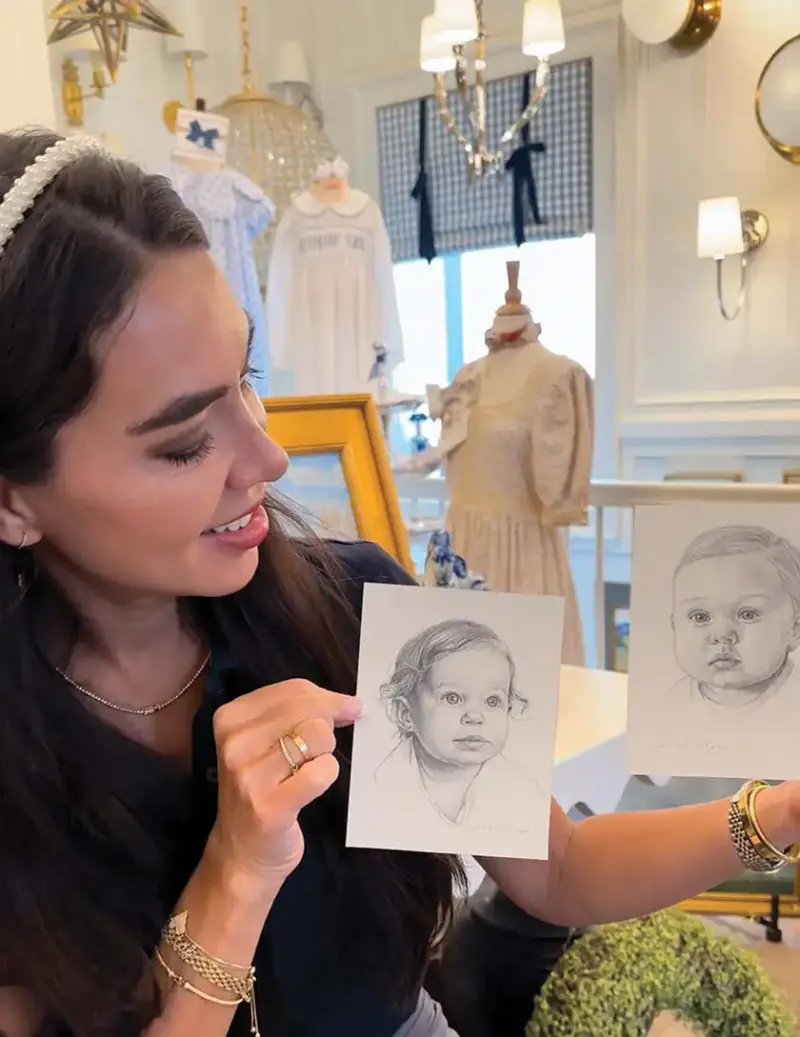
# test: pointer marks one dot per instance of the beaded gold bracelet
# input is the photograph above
(755, 851)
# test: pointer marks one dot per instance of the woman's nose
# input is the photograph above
(472, 717)
(259, 459)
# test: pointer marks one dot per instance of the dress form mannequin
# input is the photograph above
(513, 323)
(517, 439)
(331, 186)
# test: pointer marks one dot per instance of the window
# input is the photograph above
(423, 318)
(447, 307)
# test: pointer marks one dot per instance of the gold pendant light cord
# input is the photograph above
(248, 79)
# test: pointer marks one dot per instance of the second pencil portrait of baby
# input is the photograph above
(713, 687)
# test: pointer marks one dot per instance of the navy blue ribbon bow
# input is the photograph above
(205, 138)
(521, 167)
(421, 192)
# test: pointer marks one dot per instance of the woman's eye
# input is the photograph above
(189, 455)
(452, 698)
(494, 702)
(749, 615)
(699, 617)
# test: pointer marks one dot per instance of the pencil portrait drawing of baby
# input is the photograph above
(452, 698)
(736, 616)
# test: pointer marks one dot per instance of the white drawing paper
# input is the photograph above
(714, 673)
(454, 750)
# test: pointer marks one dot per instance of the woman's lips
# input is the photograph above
(250, 535)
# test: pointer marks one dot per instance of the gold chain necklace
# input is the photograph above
(144, 711)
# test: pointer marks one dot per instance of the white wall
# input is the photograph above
(692, 385)
(26, 96)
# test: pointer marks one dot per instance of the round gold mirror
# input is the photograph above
(778, 100)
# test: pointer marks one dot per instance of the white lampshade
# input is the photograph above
(542, 28)
(456, 21)
(434, 56)
(719, 228)
(290, 63)
(188, 18)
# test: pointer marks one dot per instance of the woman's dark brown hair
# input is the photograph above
(92, 823)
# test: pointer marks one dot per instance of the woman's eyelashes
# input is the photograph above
(249, 376)
(192, 454)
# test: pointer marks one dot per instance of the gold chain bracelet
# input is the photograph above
(215, 971)
(791, 855)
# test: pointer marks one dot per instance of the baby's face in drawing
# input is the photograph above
(461, 713)
(734, 622)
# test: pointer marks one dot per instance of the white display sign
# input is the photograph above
(201, 137)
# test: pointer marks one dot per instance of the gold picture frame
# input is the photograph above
(345, 430)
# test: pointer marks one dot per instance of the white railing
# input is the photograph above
(613, 494)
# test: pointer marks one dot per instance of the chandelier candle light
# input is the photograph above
(453, 25)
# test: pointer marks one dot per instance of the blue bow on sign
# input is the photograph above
(205, 138)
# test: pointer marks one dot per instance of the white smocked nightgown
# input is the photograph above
(330, 294)
(518, 426)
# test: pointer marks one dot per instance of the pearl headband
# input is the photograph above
(40, 173)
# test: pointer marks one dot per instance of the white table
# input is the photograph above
(590, 769)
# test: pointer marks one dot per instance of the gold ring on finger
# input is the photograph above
(294, 767)
(302, 747)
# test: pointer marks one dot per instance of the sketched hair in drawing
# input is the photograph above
(736, 612)
(453, 690)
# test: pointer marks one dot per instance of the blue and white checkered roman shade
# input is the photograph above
(478, 215)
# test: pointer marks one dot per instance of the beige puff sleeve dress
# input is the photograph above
(518, 434)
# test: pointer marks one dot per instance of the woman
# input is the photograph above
(173, 666)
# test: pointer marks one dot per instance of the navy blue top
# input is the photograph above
(302, 988)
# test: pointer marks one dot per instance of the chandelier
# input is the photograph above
(110, 21)
(274, 144)
(446, 33)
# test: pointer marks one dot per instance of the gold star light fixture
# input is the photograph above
(110, 21)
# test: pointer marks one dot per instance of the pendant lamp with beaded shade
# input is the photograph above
(272, 143)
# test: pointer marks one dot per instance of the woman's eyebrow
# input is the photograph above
(178, 411)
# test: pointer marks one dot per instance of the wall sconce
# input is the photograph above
(724, 230)
(83, 48)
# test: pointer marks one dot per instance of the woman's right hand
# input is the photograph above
(256, 837)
